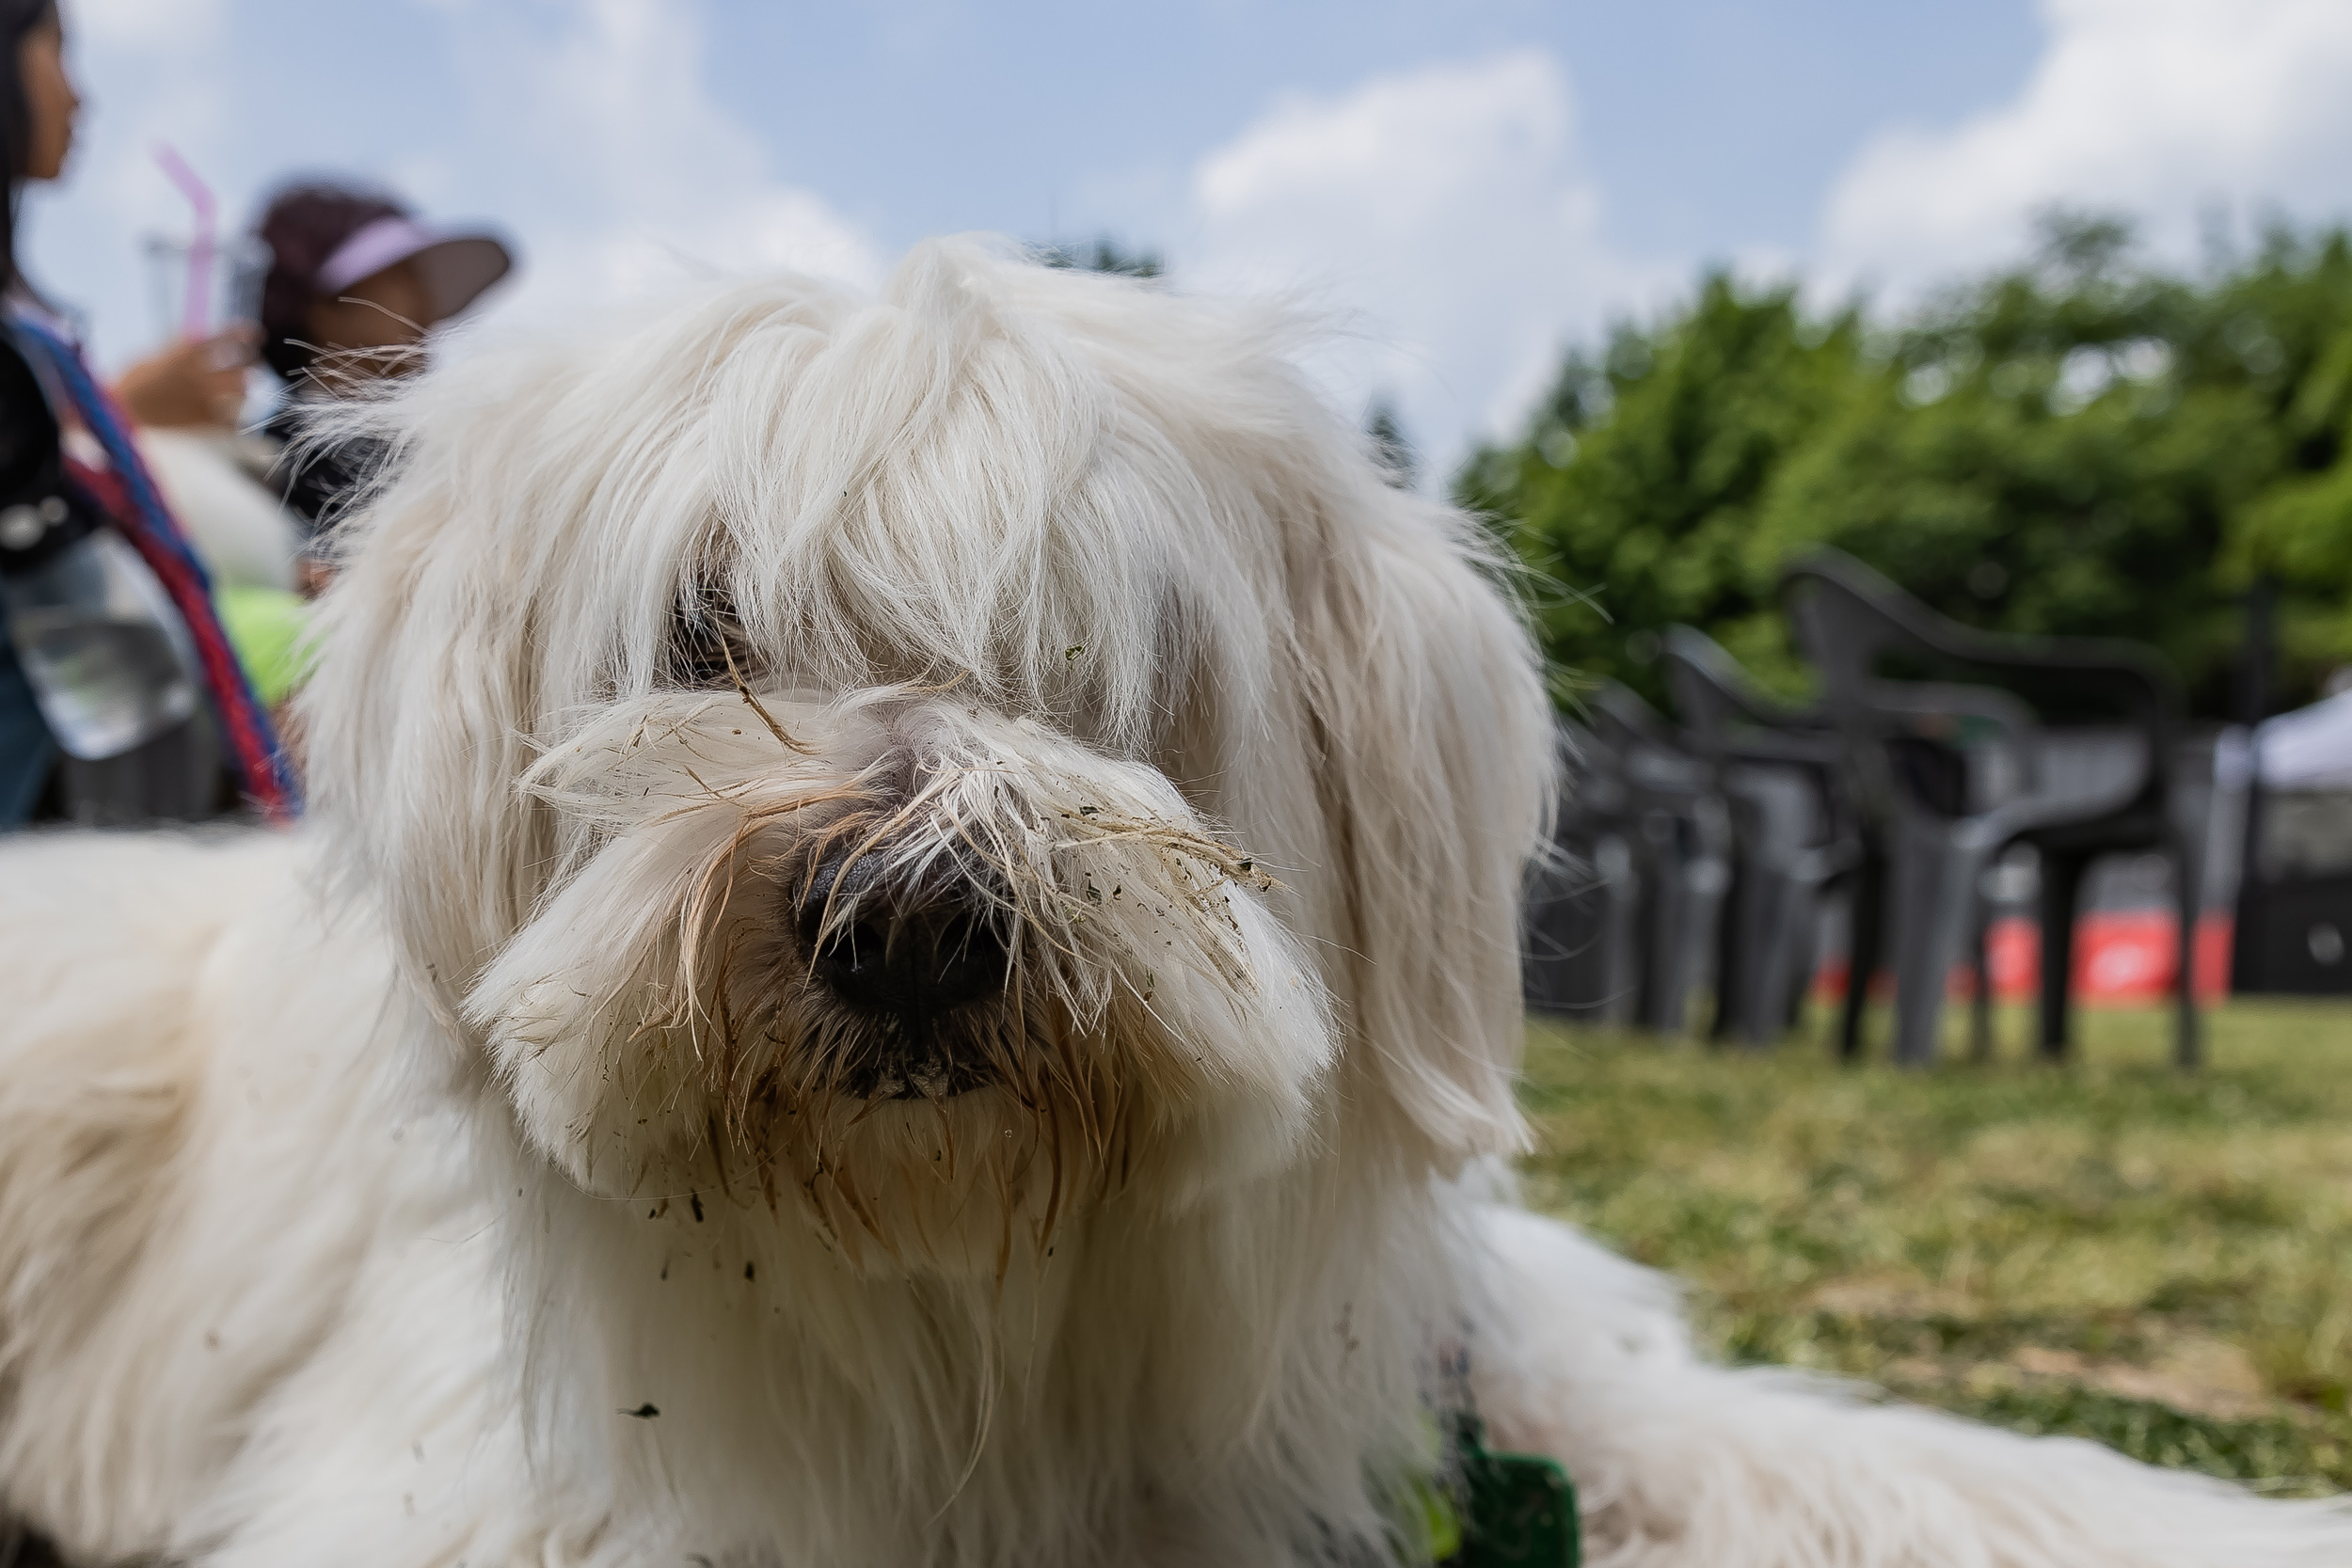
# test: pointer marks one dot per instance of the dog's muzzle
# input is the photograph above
(915, 961)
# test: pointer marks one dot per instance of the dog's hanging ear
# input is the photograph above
(519, 566)
(1436, 772)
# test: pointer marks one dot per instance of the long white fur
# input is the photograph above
(435, 1186)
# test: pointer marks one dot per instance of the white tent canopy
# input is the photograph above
(2309, 749)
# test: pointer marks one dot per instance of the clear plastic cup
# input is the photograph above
(103, 646)
(198, 290)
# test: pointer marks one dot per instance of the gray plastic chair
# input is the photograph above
(1618, 922)
(1582, 958)
(1947, 772)
(1793, 834)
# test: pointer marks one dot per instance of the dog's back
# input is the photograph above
(155, 1095)
(106, 938)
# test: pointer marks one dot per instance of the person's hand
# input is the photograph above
(191, 383)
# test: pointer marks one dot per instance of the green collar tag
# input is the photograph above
(1506, 1510)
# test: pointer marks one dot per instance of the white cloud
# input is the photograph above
(1446, 213)
(148, 23)
(639, 178)
(150, 71)
(585, 128)
(1448, 210)
(2161, 108)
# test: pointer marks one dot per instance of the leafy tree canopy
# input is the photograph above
(1104, 254)
(2082, 444)
(1388, 444)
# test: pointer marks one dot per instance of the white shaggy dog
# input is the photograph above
(906, 957)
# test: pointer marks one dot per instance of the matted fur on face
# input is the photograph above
(1092, 993)
(934, 762)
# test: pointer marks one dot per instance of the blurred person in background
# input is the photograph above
(355, 286)
(119, 693)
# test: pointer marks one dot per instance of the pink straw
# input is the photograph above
(193, 320)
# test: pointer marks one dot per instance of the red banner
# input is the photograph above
(2121, 956)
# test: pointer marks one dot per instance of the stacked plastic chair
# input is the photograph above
(1779, 770)
(1581, 962)
(1620, 914)
(1948, 764)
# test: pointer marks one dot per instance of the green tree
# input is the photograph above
(1104, 254)
(2079, 444)
(1639, 490)
(1389, 444)
(2037, 454)
(2283, 327)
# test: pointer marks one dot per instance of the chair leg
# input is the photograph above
(1795, 984)
(1701, 872)
(1620, 957)
(2061, 894)
(1730, 933)
(1864, 940)
(1566, 930)
(1783, 944)
(1980, 962)
(2189, 904)
(1934, 897)
(1658, 871)
(1649, 997)
(1757, 935)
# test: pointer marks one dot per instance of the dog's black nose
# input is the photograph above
(917, 958)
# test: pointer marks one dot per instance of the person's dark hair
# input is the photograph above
(303, 225)
(17, 18)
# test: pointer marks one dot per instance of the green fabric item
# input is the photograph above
(265, 627)
(1522, 1514)
(1478, 1509)
(1519, 1509)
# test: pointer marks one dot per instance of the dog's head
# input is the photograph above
(938, 760)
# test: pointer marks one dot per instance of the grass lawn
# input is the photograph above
(2109, 1249)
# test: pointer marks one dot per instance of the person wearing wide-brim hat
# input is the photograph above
(355, 284)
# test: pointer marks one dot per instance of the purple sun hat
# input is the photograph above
(324, 238)
(455, 266)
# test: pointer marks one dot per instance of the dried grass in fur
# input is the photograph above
(1100, 881)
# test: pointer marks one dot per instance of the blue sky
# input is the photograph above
(1461, 185)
